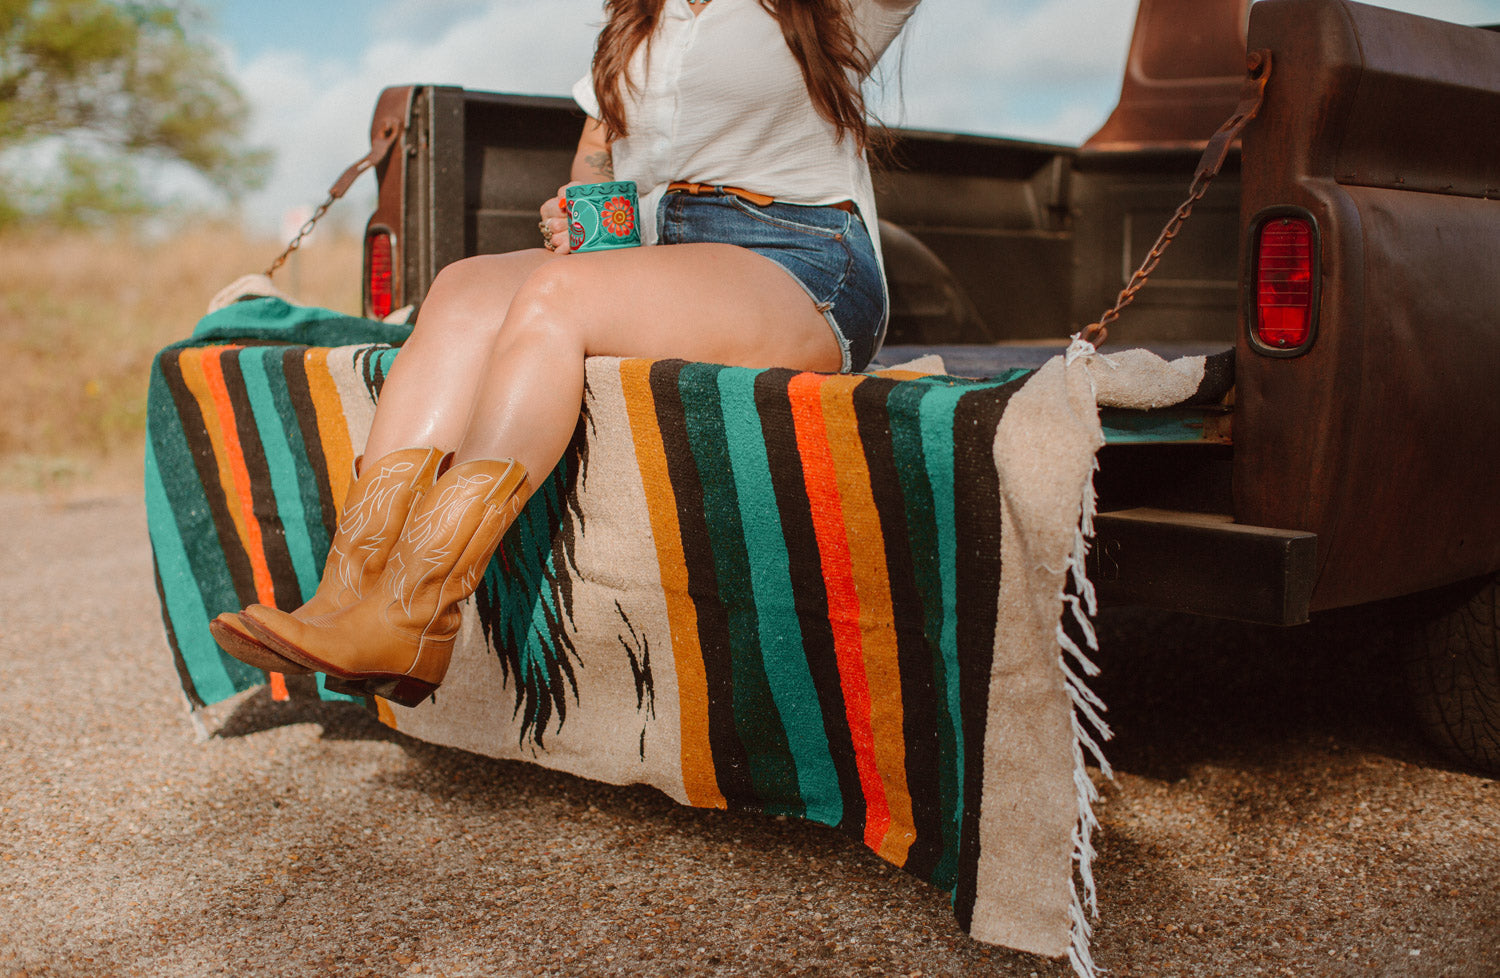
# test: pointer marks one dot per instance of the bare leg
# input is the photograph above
(521, 388)
(428, 396)
(711, 302)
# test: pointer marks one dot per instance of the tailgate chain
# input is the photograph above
(382, 137)
(1258, 67)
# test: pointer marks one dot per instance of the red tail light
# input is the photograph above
(1284, 283)
(378, 252)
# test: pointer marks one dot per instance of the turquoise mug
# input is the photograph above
(603, 216)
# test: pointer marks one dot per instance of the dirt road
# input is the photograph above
(1272, 815)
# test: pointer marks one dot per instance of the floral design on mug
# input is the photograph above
(618, 217)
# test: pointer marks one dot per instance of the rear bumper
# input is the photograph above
(1203, 564)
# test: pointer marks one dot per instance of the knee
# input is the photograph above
(548, 303)
(463, 287)
(471, 296)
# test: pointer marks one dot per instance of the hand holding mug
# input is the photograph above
(591, 217)
(554, 222)
(602, 216)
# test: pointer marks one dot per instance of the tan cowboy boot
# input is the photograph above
(374, 511)
(396, 640)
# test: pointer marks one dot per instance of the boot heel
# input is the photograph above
(349, 687)
(400, 689)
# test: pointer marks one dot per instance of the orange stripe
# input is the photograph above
(239, 474)
(191, 366)
(698, 777)
(843, 597)
(866, 542)
(333, 427)
(216, 412)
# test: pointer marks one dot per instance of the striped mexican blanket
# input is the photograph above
(835, 597)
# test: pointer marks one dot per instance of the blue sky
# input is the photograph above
(1047, 70)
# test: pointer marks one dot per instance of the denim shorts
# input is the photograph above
(827, 250)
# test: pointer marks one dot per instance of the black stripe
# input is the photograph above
(773, 403)
(919, 705)
(977, 529)
(1218, 378)
(731, 762)
(285, 588)
(195, 431)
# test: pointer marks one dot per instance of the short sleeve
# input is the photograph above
(878, 22)
(583, 94)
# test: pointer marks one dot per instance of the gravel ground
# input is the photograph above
(1272, 814)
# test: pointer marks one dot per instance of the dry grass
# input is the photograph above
(82, 314)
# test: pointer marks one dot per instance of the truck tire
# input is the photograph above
(1450, 642)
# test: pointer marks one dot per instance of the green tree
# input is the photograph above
(116, 83)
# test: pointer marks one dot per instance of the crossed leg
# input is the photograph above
(495, 371)
(495, 365)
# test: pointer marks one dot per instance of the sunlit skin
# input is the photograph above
(494, 367)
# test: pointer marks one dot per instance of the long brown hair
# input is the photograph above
(818, 32)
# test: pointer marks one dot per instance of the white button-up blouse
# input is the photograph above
(722, 102)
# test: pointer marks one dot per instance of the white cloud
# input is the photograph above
(317, 115)
(967, 66)
(1047, 70)
(1050, 72)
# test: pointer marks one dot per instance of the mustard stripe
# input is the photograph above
(698, 775)
(333, 432)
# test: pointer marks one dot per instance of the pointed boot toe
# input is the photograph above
(375, 508)
(235, 636)
(396, 640)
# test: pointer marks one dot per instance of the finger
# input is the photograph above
(561, 200)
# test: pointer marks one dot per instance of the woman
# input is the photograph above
(743, 126)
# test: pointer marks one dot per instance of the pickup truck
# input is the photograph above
(1348, 253)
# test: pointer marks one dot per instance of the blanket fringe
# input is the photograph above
(1089, 726)
(200, 731)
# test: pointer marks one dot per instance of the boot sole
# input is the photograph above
(401, 689)
(233, 636)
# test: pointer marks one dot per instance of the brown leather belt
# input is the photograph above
(759, 200)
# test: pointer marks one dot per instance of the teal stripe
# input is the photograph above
(780, 630)
(773, 772)
(904, 410)
(184, 602)
(936, 421)
(1172, 425)
(196, 531)
(317, 522)
(293, 484)
(286, 487)
(936, 417)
